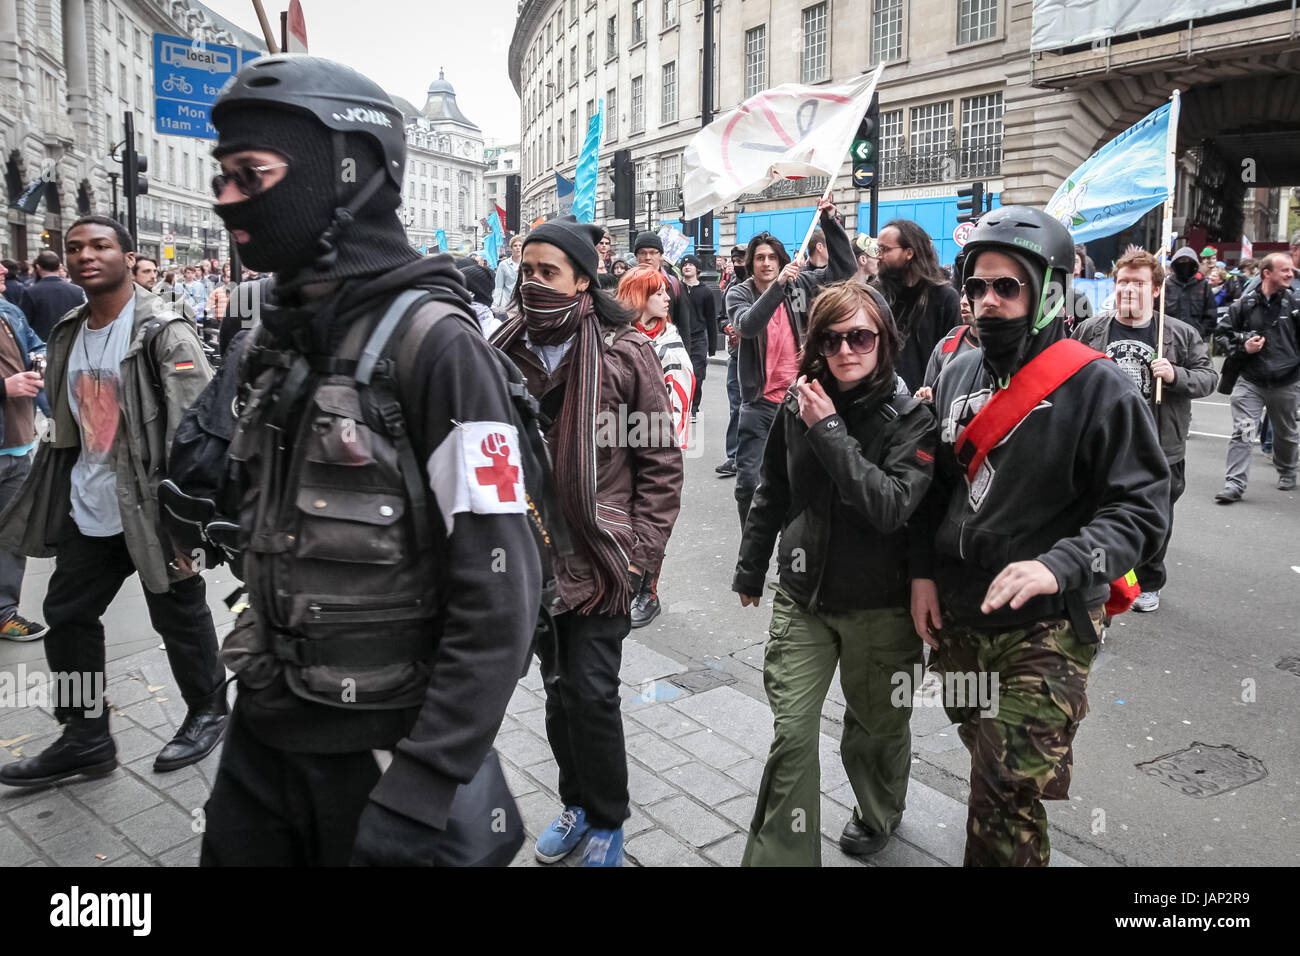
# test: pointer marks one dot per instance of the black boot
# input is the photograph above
(86, 747)
(645, 605)
(200, 731)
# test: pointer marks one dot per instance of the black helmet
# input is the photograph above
(338, 96)
(1026, 230)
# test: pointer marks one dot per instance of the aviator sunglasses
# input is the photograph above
(861, 341)
(247, 179)
(1006, 287)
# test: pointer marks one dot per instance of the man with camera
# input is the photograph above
(1261, 337)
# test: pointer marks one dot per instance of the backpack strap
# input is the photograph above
(954, 343)
(1008, 407)
(376, 377)
(152, 329)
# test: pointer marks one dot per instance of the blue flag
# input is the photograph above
(564, 193)
(424, 249)
(1120, 182)
(442, 241)
(584, 179)
(492, 241)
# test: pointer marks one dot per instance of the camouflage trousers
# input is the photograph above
(1021, 749)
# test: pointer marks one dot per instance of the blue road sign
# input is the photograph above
(187, 76)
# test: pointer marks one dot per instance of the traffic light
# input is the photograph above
(134, 166)
(970, 203)
(866, 145)
(512, 203)
(624, 185)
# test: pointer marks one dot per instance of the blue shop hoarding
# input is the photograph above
(937, 215)
(187, 76)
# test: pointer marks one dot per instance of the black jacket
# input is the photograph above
(705, 332)
(1191, 301)
(925, 314)
(748, 312)
(1278, 320)
(840, 495)
(48, 300)
(1081, 484)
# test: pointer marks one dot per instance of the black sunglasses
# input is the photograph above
(861, 341)
(247, 179)
(1006, 287)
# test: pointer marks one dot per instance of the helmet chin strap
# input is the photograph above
(327, 244)
(1046, 318)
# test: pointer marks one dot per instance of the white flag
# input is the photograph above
(781, 133)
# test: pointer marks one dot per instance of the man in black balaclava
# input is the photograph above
(1188, 296)
(1014, 556)
(382, 642)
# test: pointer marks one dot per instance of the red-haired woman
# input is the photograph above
(644, 291)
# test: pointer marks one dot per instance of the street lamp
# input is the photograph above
(650, 177)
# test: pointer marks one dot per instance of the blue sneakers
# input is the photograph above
(560, 838)
(604, 848)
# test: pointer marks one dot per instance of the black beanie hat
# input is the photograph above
(648, 240)
(478, 280)
(576, 239)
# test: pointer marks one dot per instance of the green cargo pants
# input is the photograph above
(802, 651)
(1022, 754)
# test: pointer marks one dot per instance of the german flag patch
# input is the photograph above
(184, 366)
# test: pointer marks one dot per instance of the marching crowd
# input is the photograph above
(426, 469)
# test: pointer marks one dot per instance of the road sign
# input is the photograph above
(169, 252)
(961, 235)
(169, 238)
(863, 174)
(861, 151)
(187, 76)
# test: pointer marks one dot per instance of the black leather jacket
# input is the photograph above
(840, 494)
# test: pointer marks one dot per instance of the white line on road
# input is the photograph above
(1206, 401)
(1209, 434)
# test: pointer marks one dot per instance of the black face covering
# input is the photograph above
(1004, 341)
(1184, 269)
(284, 225)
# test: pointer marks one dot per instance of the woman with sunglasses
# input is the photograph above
(847, 462)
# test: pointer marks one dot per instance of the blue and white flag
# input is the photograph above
(584, 179)
(1120, 182)
(492, 241)
(564, 193)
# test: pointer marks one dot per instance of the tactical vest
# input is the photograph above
(343, 581)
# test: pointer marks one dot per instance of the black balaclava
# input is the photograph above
(1185, 268)
(298, 228)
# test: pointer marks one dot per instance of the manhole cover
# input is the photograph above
(1290, 664)
(699, 681)
(1204, 770)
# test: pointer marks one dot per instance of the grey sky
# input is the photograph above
(400, 44)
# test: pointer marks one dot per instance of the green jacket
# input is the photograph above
(41, 513)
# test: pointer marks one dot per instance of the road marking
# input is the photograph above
(1206, 401)
(1209, 434)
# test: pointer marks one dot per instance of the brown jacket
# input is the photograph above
(638, 472)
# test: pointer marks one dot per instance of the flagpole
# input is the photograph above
(812, 226)
(1166, 233)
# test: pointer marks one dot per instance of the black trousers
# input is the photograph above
(583, 721)
(1151, 574)
(751, 439)
(270, 807)
(87, 576)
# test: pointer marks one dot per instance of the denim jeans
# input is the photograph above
(733, 399)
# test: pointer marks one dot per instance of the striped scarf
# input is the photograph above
(547, 315)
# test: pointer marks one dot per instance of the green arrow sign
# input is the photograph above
(862, 150)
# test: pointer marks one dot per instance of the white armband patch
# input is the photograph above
(478, 468)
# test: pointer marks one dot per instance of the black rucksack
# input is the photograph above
(197, 504)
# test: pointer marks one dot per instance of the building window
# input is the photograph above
(138, 39)
(611, 107)
(573, 64)
(591, 111)
(171, 164)
(591, 51)
(139, 89)
(670, 171)
(976, 20)
(886, 30)
(121, 27)
(638, 21)
(670, 13)
(891, 134)
(573, 11)
(755, 60)
(611, 37)
(815, 64)
(573, 133)
(931, 142)
(122, 89)
(549, 152)
(638, 104)
(668, 100)
(559, 78)
(981, 136)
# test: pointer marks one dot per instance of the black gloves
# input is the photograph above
(386, 838)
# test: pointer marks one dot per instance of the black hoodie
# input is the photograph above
(1080, 484)
(486, 624)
